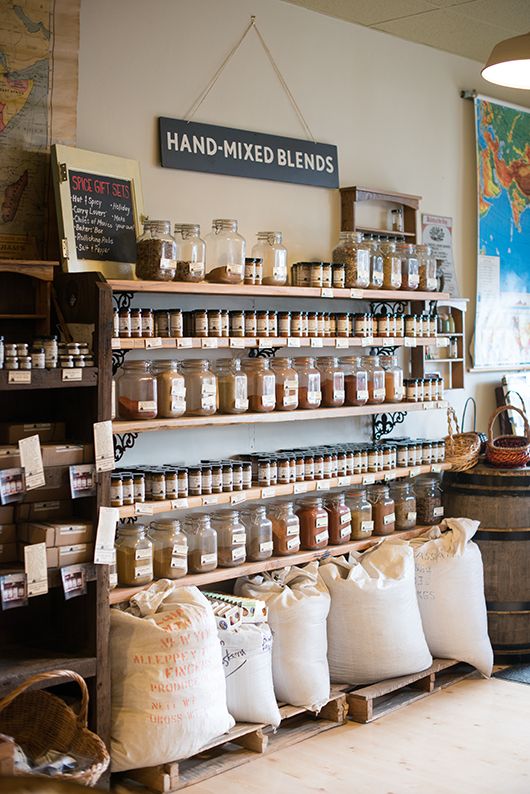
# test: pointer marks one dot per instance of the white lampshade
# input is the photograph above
(509, 63)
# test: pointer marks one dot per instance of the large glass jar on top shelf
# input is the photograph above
(201, 387)
(170, 549)
(376, 263)
(332, 381)
(376, 379)
(309, 383)
(191, 252)
(261, 384)
(259, 533)
(232, 386)
(269, 248)
(285, 528)
(225, 253)
(410, 274)
(156, 252)
(137, 391)
(355, 381)
(356, 259)
(427, 269)
(286, 384)
(202, 544)
(231, 538)
(393, 379)
(134, 556)
(362, 525)
(171, 389)
(391, 266)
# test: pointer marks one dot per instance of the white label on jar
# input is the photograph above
(367, 526)
(293, 342)
(241, 403)
(238, 554)
(345, 518)
(411, 516)
(389, 519)
(410, 341)
(209, 342)
(438, 511)
(314, 397)
(208, 559)
(145, 406)
(339, 395)
(293, 543)
(167, 264)
(266, 493)
(322, 521)
(368, 479)
(268, 400)
(179, 562)
(208, 401)
(267, 546)
(322, 536)
(234, 269)
(316, 342)
(196, 268)
(362, 395)
(293, 530)
(143, 570)
(415, 471)
(142, 554)
(208, 389)
(239, 537)
(343, 481)
(345, 531)
(289, 399)
(379, 394)
(179, 550)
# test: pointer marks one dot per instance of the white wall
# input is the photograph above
(391, 106)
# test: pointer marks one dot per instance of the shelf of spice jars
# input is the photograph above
(339, 342)
(121, 594)
(234, 498)
(247, 290)
(121, 426)
(48, 378)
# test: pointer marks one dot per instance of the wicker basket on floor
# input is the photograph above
(508, 452)
(461, 449)
(39, 721)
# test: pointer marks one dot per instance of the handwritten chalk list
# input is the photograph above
(103, 216)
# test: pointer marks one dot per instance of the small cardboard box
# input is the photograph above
(11, 432)
(8, 533)
(42, 511)
(62, 454)
(8, 552)
(56, 533)
(7, 514)
(73, 555)
(52, 555)
(9, 457)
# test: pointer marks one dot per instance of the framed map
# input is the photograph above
(502, 326)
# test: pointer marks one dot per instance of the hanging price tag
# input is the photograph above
(36, 568)
(105, 535)
(31, 461)
(213, 499)
(237, 498)
(103, 446)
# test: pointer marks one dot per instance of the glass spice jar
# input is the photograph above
(201, 387)
(261, 385)
(428, 501)
(202, 544)
(253, 270)
(383, 512)
(170, 549)
(376, 264)
(231, 538)
(286, 384)
(355, 381)
(138, 486)
(134, 556)
(269, 248)
(392, 277)
(127, 488)
(405, 505)
(314, 533)
(116, 490)
(231, 386)
(137, 391)
(171, 389)
(354, 257)
(410, 276)
(225, 253)
(309, 383)
(376, 379)
(362, 524)
(285, 528)
(332, 381)
(339, 519)
(156, 252)
(427, 269)
(190, 253)
(393, 379)
(259, 533)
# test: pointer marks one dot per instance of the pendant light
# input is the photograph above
(509, 63)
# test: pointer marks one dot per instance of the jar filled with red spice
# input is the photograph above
(314, 532)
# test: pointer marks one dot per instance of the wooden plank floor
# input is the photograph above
(471, 737)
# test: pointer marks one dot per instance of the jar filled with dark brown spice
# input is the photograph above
(190, 253)
(156, 252)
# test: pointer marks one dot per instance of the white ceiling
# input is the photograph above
(464, 27)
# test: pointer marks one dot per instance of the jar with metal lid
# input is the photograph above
(194, 480)
(171, 389)
(38, 360)
(412, 390)
(156, 252)
(273, 323)
(327, 274)
(262, 323)
(247, 475)
(314, 525)
(405, 505)
(231, 386)
(156, 485)
(411, 325)
(383, 510)
(228, 477)
(318, 466)
(269, 248)
(402, 454)
(136, 323)
(225, 253)
(137, 391)
(127, 488)
(393, 379)
(285, 528)
(116, 490)
(206, 479)
(343, 325)
(190, 252)
(259, 533)
(170, 549)
(376, 263)
(332, 381)
(315, 273)
(134, 556)
(237, 476)
(399, 325)
(410, 276)
(201, 387)
(362, 324)
(231, 538)
(354, 257)
(339, 519)
(385, 325)
(214, 323)
(312, 324)
(251, 323)
(261, 384)
(202, 544)
(355, 381)
(362, 525)
(264, 472)
(138, 486)
(66, 361)
(429, 504)
(161, 320)
(309, 383)
(253, 270)
(286, 384)
(237, 323)
(392, 277)
(284, 324)
(338, 275)
(148, 323)
(376, 379)
(427, 268)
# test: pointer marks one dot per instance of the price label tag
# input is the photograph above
(356, 293)
(293, 341)
(302, 487)
(390, 475)
(185, 342)
(415, 471)
(442, 341)
(266, 493)
(72, 374)
(208, 343)
(436, 467)
(106, 531)
(143, 509)
(263, 343)
(340, 342)
(213, 499)
(410, 341)
(326, 292)
(19, 377)
(241, 342)
(344, 481)
(237, 498)
(367, 341)
(103, 446)
(316, 342)
(156, 341)
(31, 462)
(323, 485)
(179, 504)
(36, 568)
(368, 479)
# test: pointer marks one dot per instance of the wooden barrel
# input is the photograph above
(500, 500)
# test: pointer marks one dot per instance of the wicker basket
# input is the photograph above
(39, 721)
(508, 452)
(461, 449)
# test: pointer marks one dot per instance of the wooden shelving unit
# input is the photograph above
(352, 197)
(49, 379)
(453, 369)
(26, 284)
(249, 343)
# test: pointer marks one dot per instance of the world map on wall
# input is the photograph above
(502, 335)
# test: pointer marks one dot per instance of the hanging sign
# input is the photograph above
(191, 146)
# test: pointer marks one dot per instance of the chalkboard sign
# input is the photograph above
(103, 217)
(99, 207)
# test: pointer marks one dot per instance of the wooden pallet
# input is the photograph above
(237, 747)
(369, 703)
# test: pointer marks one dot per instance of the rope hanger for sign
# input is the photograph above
(204, 93)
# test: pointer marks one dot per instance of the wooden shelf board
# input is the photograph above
(23, 316)
(448, 335)
(442, 360)
(49, 379)
(121, 594)
(244, 343)
(239, 290)
(386, 232)
(296, 490)
(17, 665)
(157, 425)
(30, 262)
